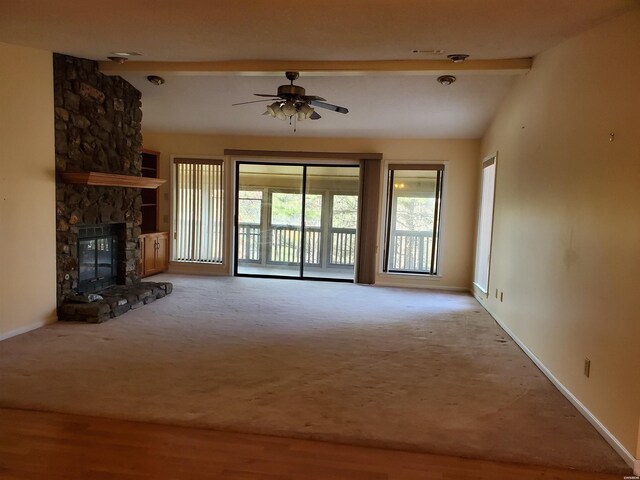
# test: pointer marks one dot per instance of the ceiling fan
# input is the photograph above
(291, 102)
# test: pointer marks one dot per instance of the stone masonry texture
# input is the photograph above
(97, 128)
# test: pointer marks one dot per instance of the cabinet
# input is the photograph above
(154, 253)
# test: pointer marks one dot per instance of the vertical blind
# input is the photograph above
(199, 210)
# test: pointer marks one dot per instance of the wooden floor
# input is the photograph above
(39, 445)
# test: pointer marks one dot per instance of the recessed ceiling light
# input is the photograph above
(446, 79)
(126, 54)
(428, 52)
(155, 79)
(118, 59)
(458, 57)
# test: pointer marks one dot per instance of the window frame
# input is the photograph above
(188, 265)
(388, 203)
(486, 162)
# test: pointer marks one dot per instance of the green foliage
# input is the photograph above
(414, 214)
(345, 211)
(250, 206)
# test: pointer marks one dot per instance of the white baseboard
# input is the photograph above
(602, 430)
(27, 328)
(427, 286)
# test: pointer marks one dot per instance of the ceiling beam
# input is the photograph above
(510, 66)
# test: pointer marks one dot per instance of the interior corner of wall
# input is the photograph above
(638, 447)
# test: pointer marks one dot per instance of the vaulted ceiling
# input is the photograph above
(396, 104)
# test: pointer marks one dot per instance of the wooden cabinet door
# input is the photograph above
(162, 251)
(154, 250)
(149, 254)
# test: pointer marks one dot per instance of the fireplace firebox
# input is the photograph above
(97, 257)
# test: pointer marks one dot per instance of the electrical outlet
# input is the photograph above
(587, 367)
(501, 296)
(496, 293)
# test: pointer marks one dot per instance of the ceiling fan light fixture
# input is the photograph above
(291, 103)
(305, 111)
(280, 114)
(273, 109)
(289, 108)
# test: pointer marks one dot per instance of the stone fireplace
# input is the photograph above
(97, 129)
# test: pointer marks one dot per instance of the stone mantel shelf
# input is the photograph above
(111, 180)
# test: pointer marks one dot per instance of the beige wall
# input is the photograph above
(566, 248)
(460, 189)
(27, 190)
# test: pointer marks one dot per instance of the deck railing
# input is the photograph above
(284, 247)
(410, 251)
(249, 239)
(343, 246)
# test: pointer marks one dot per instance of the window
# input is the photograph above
(250, 206)
(250, 225)
(344, 220)
(413, 214)
(485, 225)
(199, 211)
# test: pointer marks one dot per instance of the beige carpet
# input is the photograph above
(408, 369)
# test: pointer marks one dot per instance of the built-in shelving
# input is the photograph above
(150, 160)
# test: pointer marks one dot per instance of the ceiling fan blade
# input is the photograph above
(315, 116)
(254, 101)
(271, 95)
(329, 106)
(312, 98)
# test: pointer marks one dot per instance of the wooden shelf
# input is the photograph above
(111, 180)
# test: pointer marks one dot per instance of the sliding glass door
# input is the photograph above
(274, 202)
(269, 219)
(331, 220)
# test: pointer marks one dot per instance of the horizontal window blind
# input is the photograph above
(199, 210)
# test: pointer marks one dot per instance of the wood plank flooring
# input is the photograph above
(41, 445)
